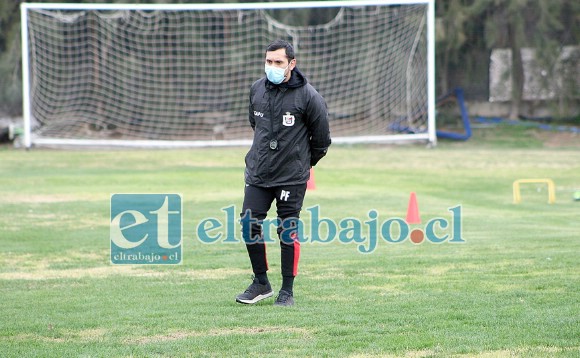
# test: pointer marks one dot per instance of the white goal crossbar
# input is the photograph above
(402, 128)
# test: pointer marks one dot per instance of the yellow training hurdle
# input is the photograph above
(549, 182)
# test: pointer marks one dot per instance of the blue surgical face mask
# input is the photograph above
(275, 74)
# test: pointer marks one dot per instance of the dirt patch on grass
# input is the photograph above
(62, 336)
(558, 139)
(214, 274)
(385, 290)
(409, 354)
(181, 335)
(16, 198)
(41, 272)
(30, 267)
(48, 274)
(521, 352)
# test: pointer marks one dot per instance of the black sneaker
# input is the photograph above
(284, 298)
(255, 293)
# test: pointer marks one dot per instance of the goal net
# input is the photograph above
(179, 75)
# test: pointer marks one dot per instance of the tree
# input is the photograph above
(513, 24)
(10, 63)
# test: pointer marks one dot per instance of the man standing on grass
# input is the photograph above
(290, 122)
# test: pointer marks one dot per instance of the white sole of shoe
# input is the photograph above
(256, 299)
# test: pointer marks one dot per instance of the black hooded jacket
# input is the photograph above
(291, 134)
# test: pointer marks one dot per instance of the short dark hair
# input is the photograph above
(278, 44)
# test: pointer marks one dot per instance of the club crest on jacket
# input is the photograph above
(288, 119)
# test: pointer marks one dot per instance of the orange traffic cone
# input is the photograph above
(413, 210)
(310, 185)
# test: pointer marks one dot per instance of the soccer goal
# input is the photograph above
(160, 75)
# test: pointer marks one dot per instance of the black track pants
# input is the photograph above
(257, 202)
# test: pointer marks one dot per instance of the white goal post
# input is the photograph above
(178, 75)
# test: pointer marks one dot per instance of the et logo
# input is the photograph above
(146, 229)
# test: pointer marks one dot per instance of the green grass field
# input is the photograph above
(511, 290)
